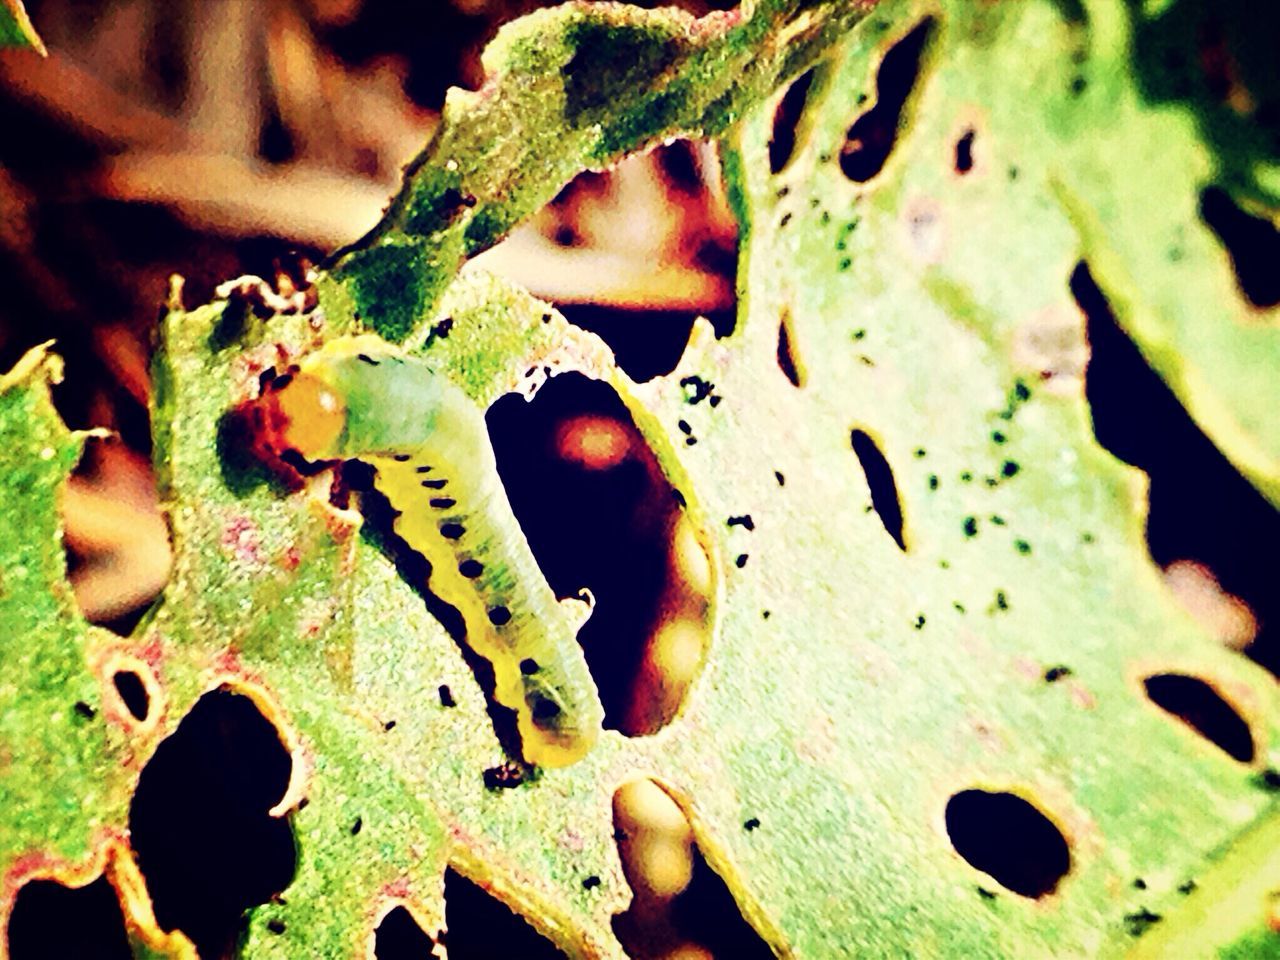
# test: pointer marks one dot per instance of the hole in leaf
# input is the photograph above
(51, 921)
(1005, 836)
(1201, 509)
(399, 937)
(133, 693)
(482, 927)
(1252, 242)
(786, 117)
(599, 513)
(870, 140)
(788, 360)
(680, 902)
(1202, 708)
(645, 343)
(884, 492)
(204, 840)
(964, 152)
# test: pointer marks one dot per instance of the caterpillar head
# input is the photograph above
(299, 418)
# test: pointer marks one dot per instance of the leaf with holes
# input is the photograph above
(913, 684)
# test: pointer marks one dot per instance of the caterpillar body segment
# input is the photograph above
(359, 398)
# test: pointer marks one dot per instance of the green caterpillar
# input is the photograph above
(358, 397)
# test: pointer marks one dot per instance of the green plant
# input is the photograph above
(944, 592)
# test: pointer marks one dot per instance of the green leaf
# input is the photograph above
(863, 670)
(16, 29)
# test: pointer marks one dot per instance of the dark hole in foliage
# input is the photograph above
(604, 528)
(704, 913)
(1200, 507)
(1202, 708)
(55, 922)
(482, 927)
(884, 492)
(646, 343)
(871, 138)
(399, 937)
(1252, 242)
(964, 152)
(786, 118)
(204, 841)
(133, 693)
(788, 362)
(1005, 836)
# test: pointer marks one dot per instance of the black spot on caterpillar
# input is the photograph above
(403, 420)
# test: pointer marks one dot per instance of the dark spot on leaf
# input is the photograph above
(84, 711)
(1138, 922)
(743, 521)
(970, 526)
(528, 666)
(788, 361)
(740, 561)
(591, 882)
(471, 568)
(1202, 708)
(1054, 674)
(357, 826)
(499, 616)
(782, 481)
(870, 140)
(884, 490)
(964, 153)
(752, 824)
(505, 776)
(446, 696)
(1003, 835)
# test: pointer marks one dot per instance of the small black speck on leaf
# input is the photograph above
(678, 496)
(743, 521)
(684, 427)
(766, 614)
(970, 526)
(690, 441)
(919, 621)
(933, 481)
(986, 894)
(389, 726)
(446, 696)
(844, 264)
(997, 520)
(1002, 601)
(1139, 922)
(1187, 887)
(591, 882)
(741, 560)
(505, 776)
(1009, 468)
(1139, 884)
(1269, 780)
(966, 477)
(921, 452)
(1022, 546)
(85, 711)
(777, 475)
(357, 826)
(276, 926)
(998, 437)
(751, 824)
(1054, 674)
(959, 607)
(528, 666)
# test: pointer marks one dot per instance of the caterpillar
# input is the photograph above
(357, 397)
